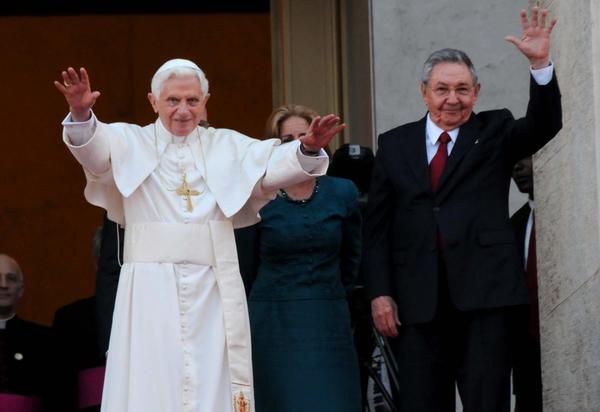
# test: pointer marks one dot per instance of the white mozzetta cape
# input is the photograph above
(234, 164)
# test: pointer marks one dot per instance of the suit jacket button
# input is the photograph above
(436, 209)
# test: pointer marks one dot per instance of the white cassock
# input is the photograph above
(180, 339)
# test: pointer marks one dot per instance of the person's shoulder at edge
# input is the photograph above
(76, 307)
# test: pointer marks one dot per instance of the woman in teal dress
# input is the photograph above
(309, 249)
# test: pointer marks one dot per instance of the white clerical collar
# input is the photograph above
(433, 132)
(5, 320)
(167, 137)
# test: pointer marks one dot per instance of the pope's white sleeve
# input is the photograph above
(312, 163)
(288, 166)
(90, 148)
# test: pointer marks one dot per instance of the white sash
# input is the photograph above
(197, 243)
(157, 242)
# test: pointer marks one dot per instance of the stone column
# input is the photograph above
(567, 175)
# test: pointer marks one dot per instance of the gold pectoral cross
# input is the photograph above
(186, 192)
(240, 403)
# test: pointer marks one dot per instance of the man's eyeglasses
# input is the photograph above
(443, 91)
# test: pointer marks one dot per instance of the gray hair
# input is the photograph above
(162, 76)
(443, 56)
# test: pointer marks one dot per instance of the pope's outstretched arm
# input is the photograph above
(78, 93)
(80, 125)
(308, 160)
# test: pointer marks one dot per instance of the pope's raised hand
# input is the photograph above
(78, 93)
(535, 42)
(321, 131)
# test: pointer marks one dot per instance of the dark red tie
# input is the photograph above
(532, 285)
(436, 167)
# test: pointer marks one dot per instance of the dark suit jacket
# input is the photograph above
(26, 356)
(519, 223)
(527, 372)
(470, 209)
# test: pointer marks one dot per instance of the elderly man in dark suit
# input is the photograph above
(442, 269)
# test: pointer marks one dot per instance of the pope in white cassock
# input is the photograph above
(180, 338)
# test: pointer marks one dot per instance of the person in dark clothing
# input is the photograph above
(107, 279)
(24, 371)
(78, 338)
(80, 374)
(527, 370)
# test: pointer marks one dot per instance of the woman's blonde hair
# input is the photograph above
(282, 113)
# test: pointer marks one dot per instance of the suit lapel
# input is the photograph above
(416, 153)
(467, 138)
